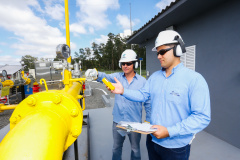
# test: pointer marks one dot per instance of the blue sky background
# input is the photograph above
(36, 27)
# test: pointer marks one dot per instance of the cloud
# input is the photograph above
(9, 60)
(73, 46)
(124, 21)
(102, 39)
(92, 13)
(56, 11)
(33, 35)
(77, 28)
(163, 3)
(126, 33)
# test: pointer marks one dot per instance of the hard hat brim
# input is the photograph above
(167, 43)
(154, 49)
(128, 60)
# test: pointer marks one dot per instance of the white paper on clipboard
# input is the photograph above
(135, 126)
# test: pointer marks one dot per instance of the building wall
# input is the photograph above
(216, 34)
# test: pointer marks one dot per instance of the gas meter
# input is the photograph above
(63, 51)
(4, 73)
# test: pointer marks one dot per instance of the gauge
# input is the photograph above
(63, 51)
(4, 73)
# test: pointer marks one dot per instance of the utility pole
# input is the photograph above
(130, 19)
(130, 22)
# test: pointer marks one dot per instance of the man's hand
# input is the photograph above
(118, 87)
(161, 132)
(91, 74)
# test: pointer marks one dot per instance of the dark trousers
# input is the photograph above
(157, 152)
(118, 140)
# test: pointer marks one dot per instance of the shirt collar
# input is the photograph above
(136, 75)
(175, 69)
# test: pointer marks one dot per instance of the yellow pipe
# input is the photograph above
(77, 79)
(9, 83)
(8, 107)
(67, 28)
(67, 23)
(83, 104)
(27, 80)
(25, 142)
(66, 81)
(43, 81)
(75, 90)
(43, 126)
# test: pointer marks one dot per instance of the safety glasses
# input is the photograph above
(128, 64)
(163, 51)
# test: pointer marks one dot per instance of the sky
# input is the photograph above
(36, 27)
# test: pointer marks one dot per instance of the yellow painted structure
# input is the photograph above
(44, 125)
(27, 80)
(9, 83)
(8, 107)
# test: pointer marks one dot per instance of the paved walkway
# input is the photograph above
(204, 146)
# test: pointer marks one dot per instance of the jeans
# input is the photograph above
(157, 152)
(118, 140)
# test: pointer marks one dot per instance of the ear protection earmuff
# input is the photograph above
(179, 49)
(136, 64)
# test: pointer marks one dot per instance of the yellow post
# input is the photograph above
(43, 126)
(67, 28)
(67, 23)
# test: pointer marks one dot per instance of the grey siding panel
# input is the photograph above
(152, 63)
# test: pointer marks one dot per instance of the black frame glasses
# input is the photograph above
(128, 64)
(163, 51)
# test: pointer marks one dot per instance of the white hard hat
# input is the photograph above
(166, 37)
(128, 55)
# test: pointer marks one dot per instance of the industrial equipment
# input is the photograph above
(46, 123)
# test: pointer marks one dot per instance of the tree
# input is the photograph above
(106, 56)
(29, 62)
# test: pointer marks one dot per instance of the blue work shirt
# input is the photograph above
(124, 109)
(180, 102)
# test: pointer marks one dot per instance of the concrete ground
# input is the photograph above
(95, 101)
(4, 118)
(204, 146)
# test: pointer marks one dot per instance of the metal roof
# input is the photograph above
(11, 69)
(177, 13)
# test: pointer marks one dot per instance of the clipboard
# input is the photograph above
(137, 131)
(143, 128)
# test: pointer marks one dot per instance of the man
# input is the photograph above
(180, 101)
(125, 110)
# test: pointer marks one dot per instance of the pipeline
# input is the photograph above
(44, 125)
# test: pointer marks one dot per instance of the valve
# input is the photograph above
(35, 87)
